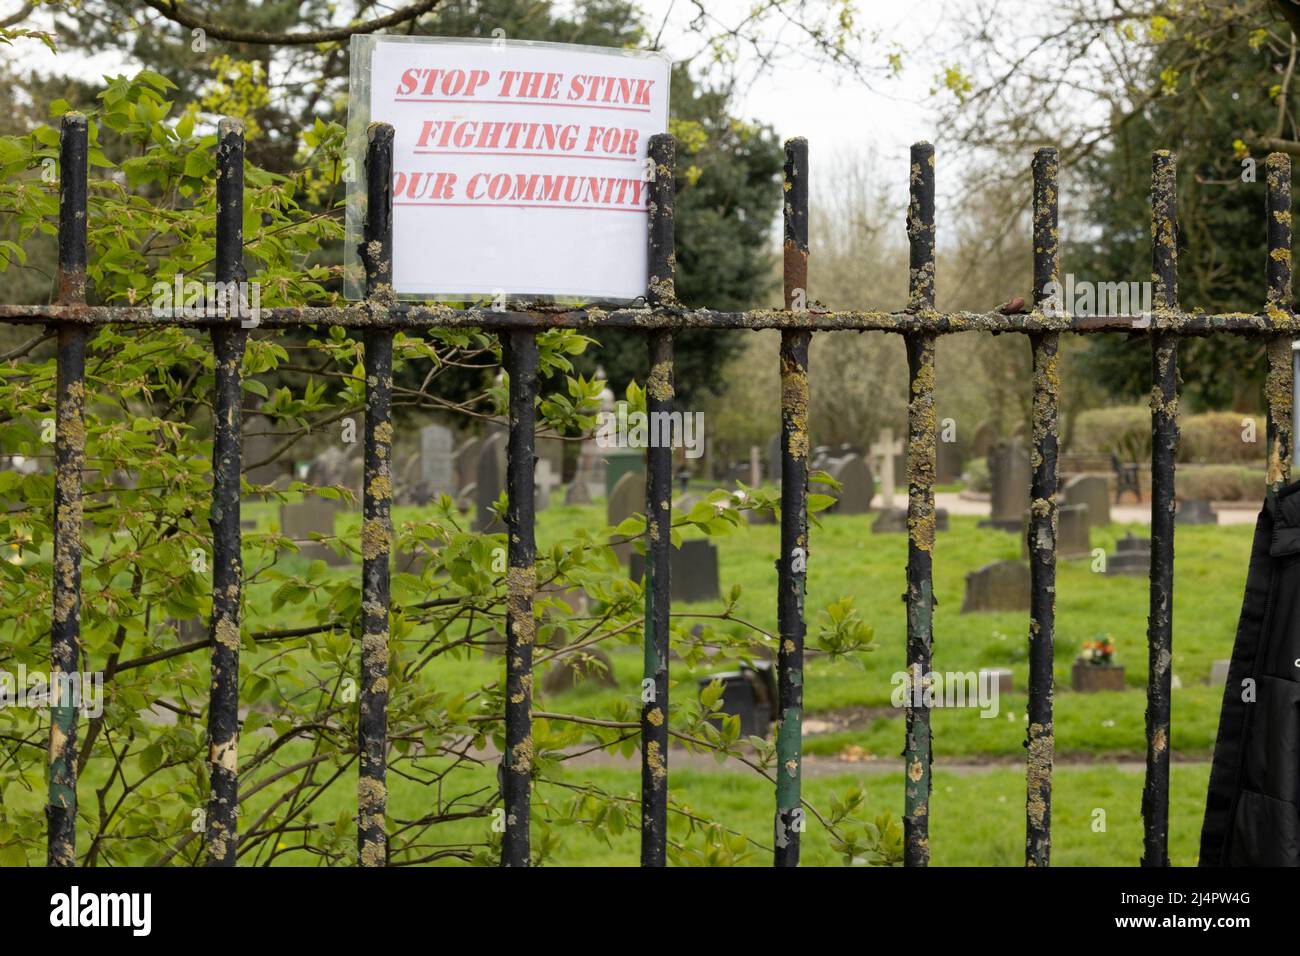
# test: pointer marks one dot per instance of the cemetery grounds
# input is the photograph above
(854, 735)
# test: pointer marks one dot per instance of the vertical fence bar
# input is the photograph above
(377, 527)
(921, 453)
(228, 341)
(1164, 445)
(661, 289)
(1040, 740)
(69, 458)
(791, 566)
(520, 354)
(1280, 383)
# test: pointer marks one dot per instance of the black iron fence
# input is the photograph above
(379, 316)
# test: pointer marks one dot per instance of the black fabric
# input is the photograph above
(1252, 810)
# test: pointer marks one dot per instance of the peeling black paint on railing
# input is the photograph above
(1164, 447)
(792, 563)
(69, 459)
(660, 289)
(520, 354)
(1279, 387)
(377, 499)
(921, 454)
(1040, 735)
(228, 342)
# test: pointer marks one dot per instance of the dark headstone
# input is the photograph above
(1009, 475)
(626, 499)
(948, 462)
(857, 485)
(1088, 678)
(999, 677)
(774, 459)
(1195, 511)
(1000, 586)
(749, 693)
(1132, 556)
(1071, 533)
(490, 482)
(1090, 490)
(692, 571)
(619, 462)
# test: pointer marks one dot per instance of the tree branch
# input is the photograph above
(176, 13)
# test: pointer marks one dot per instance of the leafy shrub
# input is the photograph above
(1220, 482)
(1220, 437)
(1122, 429)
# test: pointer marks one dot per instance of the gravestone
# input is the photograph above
(749, 693)
(620, 462)
(1010, 475)
(999, 677)
(857, 486)
(589, 479)
(1195, 511)
(885, 458)
(692, 571)
(1219, 673)
(947, 462)
(1132, 556)
(258, 444)
(550, 449)
(578, 492)
(465, 461)
(983, 441)
(312, 516)
(490, 482)
(545, 480)
(437, 462)
(340, 468)
(755, 467)
(1071, 533)
(627, 499)
(774, 459)
(1000, 586)
(1093, 491)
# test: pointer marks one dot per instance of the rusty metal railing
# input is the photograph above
(379, 316)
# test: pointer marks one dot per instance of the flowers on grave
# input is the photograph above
(1099, 652)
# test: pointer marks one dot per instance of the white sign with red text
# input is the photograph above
(519, 169)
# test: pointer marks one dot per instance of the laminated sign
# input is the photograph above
(519, 169)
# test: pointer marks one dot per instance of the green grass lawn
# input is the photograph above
(847, 560)
(977, 809)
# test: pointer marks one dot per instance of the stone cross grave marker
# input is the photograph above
(883, 453)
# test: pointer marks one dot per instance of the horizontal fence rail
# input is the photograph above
(379, 317)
